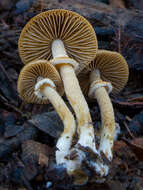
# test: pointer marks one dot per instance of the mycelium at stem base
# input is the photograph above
(45, 88)
(74, 94)
(98, 89)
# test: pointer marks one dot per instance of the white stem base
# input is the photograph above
(100, 168)
(63, 148)
(106, 147)
(87, 138)
(75, 164)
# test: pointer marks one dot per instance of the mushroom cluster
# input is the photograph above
(56, 46)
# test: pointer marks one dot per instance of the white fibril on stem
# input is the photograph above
(99, 91)
(46, 89)
(74, 95)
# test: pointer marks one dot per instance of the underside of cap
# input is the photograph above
(113, 68)
(28, 79)
(74, 30)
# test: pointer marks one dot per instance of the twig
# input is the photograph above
(128, 130)
(4, 24)
(119, 36)
(4, 71)
(128, 118)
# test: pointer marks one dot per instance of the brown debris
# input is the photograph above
(34, 157)
(115, 185)
(137, 147)
(35, 151)
(43, 160)
(117, 3)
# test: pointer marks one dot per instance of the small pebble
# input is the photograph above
(48, 184)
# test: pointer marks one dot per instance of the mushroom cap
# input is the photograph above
(113, 68)
(75, 31)
(28, 79)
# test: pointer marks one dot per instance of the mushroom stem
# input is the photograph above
(45, 88)
(58, 49)
(76, 98)
(78, 102)
(107, 116)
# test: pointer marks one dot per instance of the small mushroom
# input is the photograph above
(39, 82)
(108, 70)
(70, 40)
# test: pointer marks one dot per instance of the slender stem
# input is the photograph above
(58, 49)
(76, 98)
(78, 102)
(64, 142)
(107, 117)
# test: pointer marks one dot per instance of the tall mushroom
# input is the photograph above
(70, 40)
(39, 82)
(109, 69)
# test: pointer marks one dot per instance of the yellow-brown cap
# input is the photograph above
(113, 68)
(74, 30)
(28, 79)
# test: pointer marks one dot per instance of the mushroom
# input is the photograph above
(70, 40)
(39, 82)
(108, 70)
